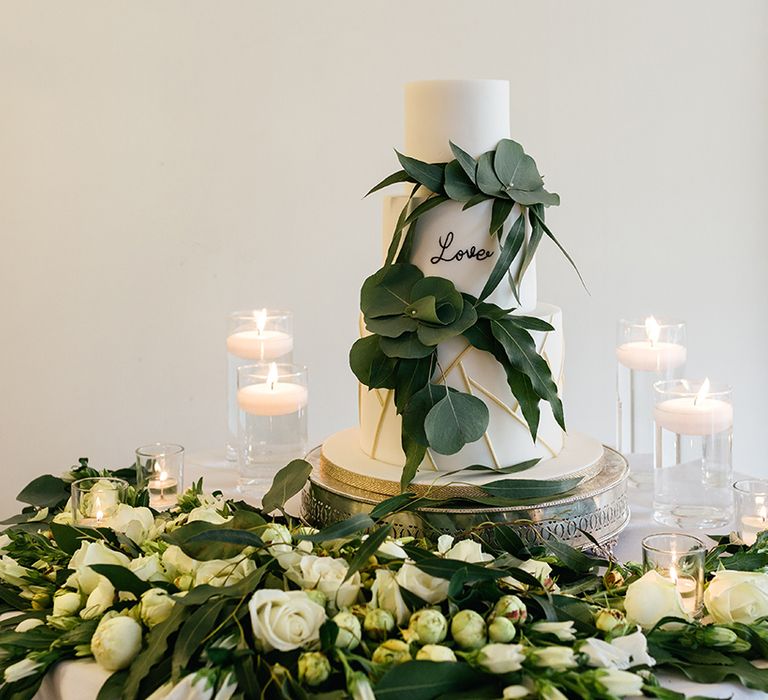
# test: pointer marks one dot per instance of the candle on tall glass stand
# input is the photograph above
(679, 558)
(693, 454)
(646, 352)
(751, 497)
(263, 335)
(272, 421)
(160, 469)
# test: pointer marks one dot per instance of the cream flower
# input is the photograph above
(387, 596)
(136, 523)
(601, 654)
(540, 570)
(99, 600)
(207, 514)
(156, 606)
(435, 652)
(737, 596)
(66, 603)
(12, 572)
(148, 568)
(93, 553)
(430, 589)
(652, 597)
(636, 646)
(620, 684)
(501, 658)
(21, 669)
(468, 551)
(116, 642)
(562, 630)
(285, 620)
(327, 575)
(554, 657)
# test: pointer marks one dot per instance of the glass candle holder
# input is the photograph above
(160, 469)
(95, 500)
(272, 421)
(679, 558)
(693, 454)
(751, 496)
(261, 335)
(647, 351)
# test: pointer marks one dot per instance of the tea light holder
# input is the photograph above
(160, 469)
(680, 559)
(693, 455)
(647, 351)
(272, 421)
(259, 335)
(751, 496)
(95, 500)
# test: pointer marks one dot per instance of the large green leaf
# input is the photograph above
(522, 389)
(531, 323)
(431, 175)
(538, 212)
(466, 161)
(45, 491)
(393, 504)
(524, 489)
(416, 411)
(388, 291)
(194, 632)
(434, 335)
(500, 212)
(289, 481)
(526, 198)
(515, 168)
(122, 579)
(370, 365)
(367, 549)
(411, 376)
(509, 250)
(393, 179)
(426, 680)
(344, 528)
(414, 456)
(407, 346)
(391, 326)
(531, 246)
(486, 176)
(457, 185)
(477, 199)
(454, 421)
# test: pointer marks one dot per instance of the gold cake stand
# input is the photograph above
(597, 506)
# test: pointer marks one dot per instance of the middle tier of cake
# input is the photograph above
(507, 441)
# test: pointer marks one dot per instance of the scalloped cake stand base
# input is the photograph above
(598, 507)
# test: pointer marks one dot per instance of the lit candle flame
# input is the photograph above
(99, 511)
(272, 376)
(652, 330)
(261, 320)
(163, 476)
(702, 394)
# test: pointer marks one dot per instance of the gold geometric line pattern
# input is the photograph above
(454, 363)
(486, 436)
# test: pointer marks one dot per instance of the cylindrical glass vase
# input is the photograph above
(160, 469)
(646, 352)
(751, 509)
(272, 421)
(693, 454)
(260, 335)
(95, 500)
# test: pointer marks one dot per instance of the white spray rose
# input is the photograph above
(116, 642)
(562, 630)
(178, 564)
(66, 603)
(327, 575)
(223, 572)
(99, 601)
(621, 684)
(652, 597)
(540, 570)
(21, 669)
(501, 658)
(148, 568)
(430, 589)
(207, 514)
(435, 652)
(350, 631)
(501, 630)
(635, 645)
(391, 652)
(427, 626)
(279, 536)
(194, 686)
(468, 551)
(392, 549)
(156, 606)
(387, 596)
(26, 625)
(547, 691)
(557, 658)
(359, 687)
(285, 620)
(601, 654)
(468, 629)
(12, 572)
(93, 553)
(737, 596)
(378, 623)
(136, 523)
(511, 607)
(514, 692)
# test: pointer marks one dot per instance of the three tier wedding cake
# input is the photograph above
(460, 363)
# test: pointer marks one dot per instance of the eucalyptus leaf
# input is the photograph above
(512, 469)
(344, 528)
(531, 246)
(515, 168)
(391, 505)
(407, 346)
(573, 558)
(122, 579)
(414, 456)
(366, 550)
(289, 481)
(538, 212)
(500, 212)
(431, 175)
(477, 199)
(522, 389)
(371, 366)
(391, 326)
(205, 592)
(454, 421)
(466, 161)
(393, 179)
(529, 488)
(416, 411)
(509, 250)
(457, 185)
(531, 323)
(193, 633)
(412, 375)
(45, 491)
(486, 176)
(434, 335)
(527, 198)
(388, 291)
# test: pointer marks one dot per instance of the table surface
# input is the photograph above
(81, 680)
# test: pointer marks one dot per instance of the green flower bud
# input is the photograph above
(613, 579)
(378, 623)
(314, 668)
(608, 619)
(468, 629)
(511, 607)
(718, 636)
(501, 630)
(428, 626)
(317, 597)
(350, 631)
(391, 652)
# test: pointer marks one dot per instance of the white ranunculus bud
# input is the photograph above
(430, 589)
(327, 575)
(66, 603)
(555, 657)
(428, 626)
(359, 687)
(116, 642)
(511, 607)
(635, 645)
(608, 619)
(620, 684)
(148, 568)
(350, 631)
(378, 623)
(601, 654)
(468, 629)
(737, 596)
(562, 630)
(501, 658)
(386, 595)
(652, 597)
(390, 652)
(99, 601)
(21, 669)
(28, 624)
(155, 607)
(514, 692)
(435, 652)
(314, 668)
(501, 630)
(285, 620)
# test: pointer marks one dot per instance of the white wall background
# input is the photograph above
(164, 163)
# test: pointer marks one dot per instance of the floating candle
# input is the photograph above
(272, 397)
(694, 415)
(260, 344)
(651, 355)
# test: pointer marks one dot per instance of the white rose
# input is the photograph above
(601, 654)
(29, 624)
(513, 692)
(116, 642)
(65, 517)
(177, 563)
(386, 595)
(223, 572)
(66, 603)
(427, 626)
(279, 536)
(435, 652)
(652, 597)
(99, 601)
(392, 549)
(468, 629)
(21, 669)
(468, 551)
(620, 683)
(350, 631)
(327, 575)
(557, 658)
(207, 514)
(430, 589)
(635, 645)
(148, 568)
(501, 658)
(156, 606)
(285, 620)
(136, 523)
(562, 630)
(444, 543)
(540, 570)
(737, 596)
(94, 553)
(12, 572)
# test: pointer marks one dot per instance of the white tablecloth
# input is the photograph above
(81, 680)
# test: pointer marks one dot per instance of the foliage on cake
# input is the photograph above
(408, 315)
